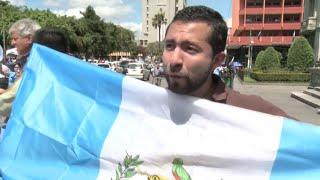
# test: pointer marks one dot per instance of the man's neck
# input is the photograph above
(205, 91)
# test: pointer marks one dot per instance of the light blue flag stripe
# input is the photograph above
(86, 108)
(298, 156)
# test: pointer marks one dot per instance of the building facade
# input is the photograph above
(311, 25)
(257, 24)
(152, 7)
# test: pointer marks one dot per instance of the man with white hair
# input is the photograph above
(22, 32)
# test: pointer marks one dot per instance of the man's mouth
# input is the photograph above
(175, 77)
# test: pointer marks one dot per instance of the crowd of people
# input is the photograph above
(194, 47)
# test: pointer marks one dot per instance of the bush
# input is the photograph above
(259, 60)
(280, 76)
(300, 55)
(268, 60)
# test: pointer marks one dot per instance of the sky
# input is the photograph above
(127, 13)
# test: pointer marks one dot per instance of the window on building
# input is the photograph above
(147, 9)
(272, 33)
(147, 22)
(291, 18)
(147, 29)
(292, 2)
(254, 3)
(290, 33)
(147, 15)
(273, 2)
(248, 33)
(254, 19)
(272, 18)
(147, 2)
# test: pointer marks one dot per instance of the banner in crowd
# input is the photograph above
(73, 120)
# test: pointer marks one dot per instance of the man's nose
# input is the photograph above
(177, 61)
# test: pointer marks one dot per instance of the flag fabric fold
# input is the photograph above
(73, 120)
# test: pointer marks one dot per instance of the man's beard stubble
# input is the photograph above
(188, 85)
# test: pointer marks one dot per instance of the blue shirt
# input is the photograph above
(11, 78)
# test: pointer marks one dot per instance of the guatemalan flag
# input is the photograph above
(72, 120)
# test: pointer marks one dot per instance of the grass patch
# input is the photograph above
(248, 79)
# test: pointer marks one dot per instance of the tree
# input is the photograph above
(154, 50)
(259, 60)
(268, 59)
(157, 21)
(88, 36)
(300, 55)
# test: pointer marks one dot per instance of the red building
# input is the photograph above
(262, 23)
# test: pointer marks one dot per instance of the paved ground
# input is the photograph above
(279, 95)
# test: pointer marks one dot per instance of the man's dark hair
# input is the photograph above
(53, 38)
(219, 30)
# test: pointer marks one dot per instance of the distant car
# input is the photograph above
(105, 65)
(139, 71)
(123, 67)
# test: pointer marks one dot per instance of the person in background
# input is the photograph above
(194, 46)
(50, 37)
(22, 33)
(53, 38)
(17, 72)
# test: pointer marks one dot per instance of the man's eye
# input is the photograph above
(169, 46)
(191, 50)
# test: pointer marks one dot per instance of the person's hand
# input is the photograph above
(2, 90)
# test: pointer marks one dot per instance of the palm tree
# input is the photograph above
(157, 22)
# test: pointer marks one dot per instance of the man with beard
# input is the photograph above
(194, 46)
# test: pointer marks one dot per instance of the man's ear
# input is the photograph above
(29, 39)
(219, 59)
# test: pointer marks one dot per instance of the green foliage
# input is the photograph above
(248, 79)
(154, 50)
(128, 168)
(268, 59)
(88, 36)
(280, 76)
(259, 60)
(158, 20)
(300, 55)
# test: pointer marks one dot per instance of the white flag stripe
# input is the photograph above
(230, 146)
